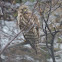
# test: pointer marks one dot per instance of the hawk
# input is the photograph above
(25, 20)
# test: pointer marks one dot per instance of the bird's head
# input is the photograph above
(23, 9)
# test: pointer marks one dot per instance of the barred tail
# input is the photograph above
(32, 39)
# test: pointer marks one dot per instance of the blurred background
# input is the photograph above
(8, 29)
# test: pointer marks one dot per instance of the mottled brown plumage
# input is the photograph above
(25, 20)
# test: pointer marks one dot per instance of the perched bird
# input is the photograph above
(25, 20)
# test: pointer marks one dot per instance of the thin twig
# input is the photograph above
(22, 31)
(9, 43)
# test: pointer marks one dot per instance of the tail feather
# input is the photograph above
(32, 38)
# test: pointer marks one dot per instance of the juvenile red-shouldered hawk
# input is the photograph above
(25, 20)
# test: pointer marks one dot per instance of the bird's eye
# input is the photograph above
(25, 9)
